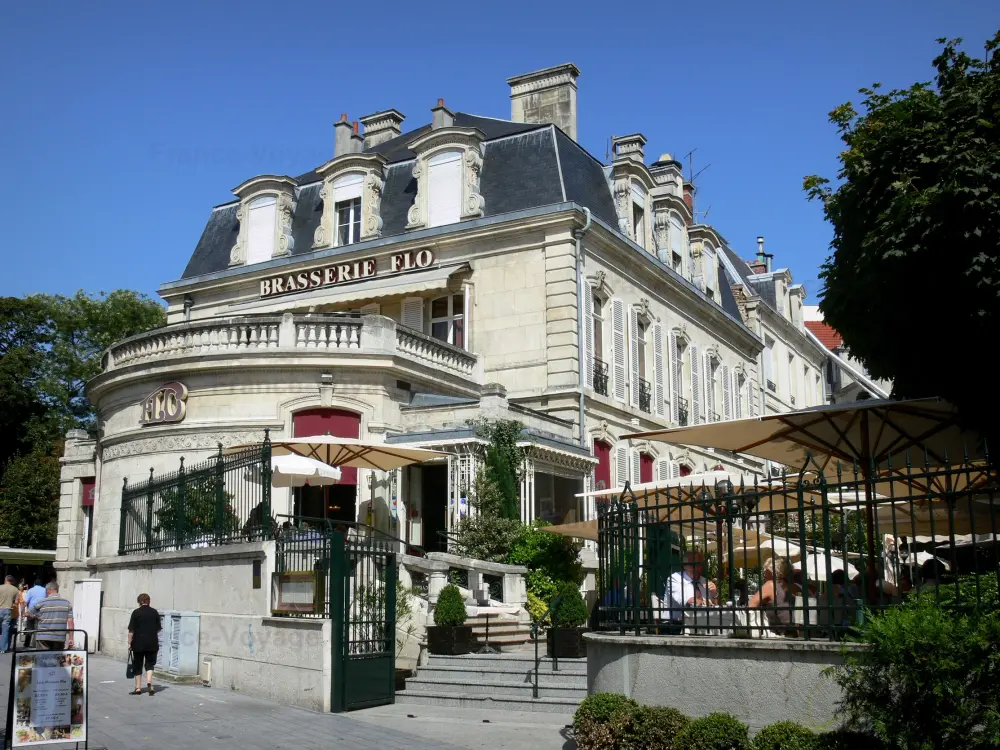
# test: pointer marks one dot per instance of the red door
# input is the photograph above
(336, 422)
(645, 468)
(602, 472)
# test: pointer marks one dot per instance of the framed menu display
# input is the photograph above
(50, 697)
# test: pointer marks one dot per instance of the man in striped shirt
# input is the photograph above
(55, 615)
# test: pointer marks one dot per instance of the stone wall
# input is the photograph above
(759, 682)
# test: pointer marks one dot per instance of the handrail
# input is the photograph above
(553, 605)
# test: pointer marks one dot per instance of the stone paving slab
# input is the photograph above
(191, 717)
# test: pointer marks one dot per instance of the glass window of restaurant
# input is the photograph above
(555, 497)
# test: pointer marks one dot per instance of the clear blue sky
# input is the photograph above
(123, 123)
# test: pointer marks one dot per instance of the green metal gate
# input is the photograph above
(363, 613)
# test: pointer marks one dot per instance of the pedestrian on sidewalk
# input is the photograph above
(31, 597)
(143, 639)
(8, 611)
(53, 617)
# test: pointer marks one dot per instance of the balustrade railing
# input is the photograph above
(600, 376)
(645, 395)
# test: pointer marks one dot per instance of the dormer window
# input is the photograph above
(639, 213)
(267, 204)
(347, 209)
(677, 243)
(709, 270)
(444, 188)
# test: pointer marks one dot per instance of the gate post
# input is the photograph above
(337, 574)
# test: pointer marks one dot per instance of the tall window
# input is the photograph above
(639, 214)
(448, 319)
(677, 243)
(792, 380)
(261, 218)
(641, 330)
(709, 270)
(598, 327)
(347, 209)
(769, 363)
(444, 188)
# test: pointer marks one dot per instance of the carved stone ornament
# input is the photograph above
(623, 201)
(323, 235)
(371, 168)
(371, 206)
(238, 255)
(414, 217)
(474, 202)
(286, 210)
(643, 309)
(661, 233)
(189, 441)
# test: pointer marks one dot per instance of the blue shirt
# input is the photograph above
(34, 595)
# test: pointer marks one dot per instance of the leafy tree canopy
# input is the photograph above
(913, 281)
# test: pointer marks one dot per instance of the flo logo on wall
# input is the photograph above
(166, 404)
(342, 273)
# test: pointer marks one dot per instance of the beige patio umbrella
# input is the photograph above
(933, 520)
(875, 434)
(298, 471)
(361, 454)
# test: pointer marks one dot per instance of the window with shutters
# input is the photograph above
(659, 394)
(619, 355)
(679, 376)
(444, 188)
(697, 386)
(738, 396)
(769, 369)
(448, 319)
(262, 217)
(727, 393)
(713, 388)
(793, 390)
(598, 367)
(678, 243)
(347, 209)
(413, 313)
(621, 466)
(639, 214)
(709, 270)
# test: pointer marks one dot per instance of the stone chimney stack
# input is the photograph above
(762, 263)
(382, 126)
(443, 117)
(629, 147)
(342, 132)
(546, 96)
(357, 140)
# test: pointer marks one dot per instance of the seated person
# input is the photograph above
(684, 589)
(775, 596)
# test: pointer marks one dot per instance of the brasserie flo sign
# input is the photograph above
(342, 273)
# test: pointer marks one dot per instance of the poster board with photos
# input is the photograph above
(50, 697)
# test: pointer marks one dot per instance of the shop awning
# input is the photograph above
(380, 287)
(9, 555)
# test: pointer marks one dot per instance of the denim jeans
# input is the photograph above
(4, 629)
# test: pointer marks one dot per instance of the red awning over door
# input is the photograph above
(336, 422)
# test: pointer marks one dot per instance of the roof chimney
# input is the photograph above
(357, 140)
(546, 96)
(443, 117)
(689, 196)
(629, 147)
(762, 263)
(341, 136)
(381, 127)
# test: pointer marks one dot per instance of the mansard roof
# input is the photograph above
(524, 166)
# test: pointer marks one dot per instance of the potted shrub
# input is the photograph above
(565, 637)
(449, 635)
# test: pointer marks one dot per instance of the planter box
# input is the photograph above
(449, 641)
(569, 643)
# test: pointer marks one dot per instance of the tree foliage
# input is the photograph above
(914, 277)
(50, 346)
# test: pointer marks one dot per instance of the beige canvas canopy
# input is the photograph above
(338, 451)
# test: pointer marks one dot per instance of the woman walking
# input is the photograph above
(143, 641)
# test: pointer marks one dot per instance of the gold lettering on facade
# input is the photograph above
(337, 274)
(168, 403)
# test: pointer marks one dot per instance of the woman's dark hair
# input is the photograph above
(143, 599)
(931, 569)
(838, 577)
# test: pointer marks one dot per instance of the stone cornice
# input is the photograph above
(344, 163)
(264, 183)
(542, 79)
(706, 232)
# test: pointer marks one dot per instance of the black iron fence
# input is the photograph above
(600, 376)
(682, 411)
(802, 555)
(223, 500)
(645, 395)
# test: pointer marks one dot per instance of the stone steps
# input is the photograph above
(500, 681)
(509, 632)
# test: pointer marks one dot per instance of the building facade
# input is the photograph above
(417, 282)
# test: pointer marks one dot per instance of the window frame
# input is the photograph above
(450, 318)
(353, 225)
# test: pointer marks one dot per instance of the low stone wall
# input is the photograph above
(760, 682)
(287, 660)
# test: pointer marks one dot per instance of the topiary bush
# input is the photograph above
(571, 611)
(785, 735)
(450, 609)
(846, 739)
(717, 731)
(653, 728)
(599, 722)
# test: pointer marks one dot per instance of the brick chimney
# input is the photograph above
(381, 127)
(342, 131)
(357, 140)
(546, 96)
(689, 196)
(762, 263)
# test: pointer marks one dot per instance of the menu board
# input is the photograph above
(50, 698)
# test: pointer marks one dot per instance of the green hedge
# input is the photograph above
(717, 731)
(450, 609)
(570, 612)
(786, 735)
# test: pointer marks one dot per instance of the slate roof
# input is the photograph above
(524, 166)
(762, 287)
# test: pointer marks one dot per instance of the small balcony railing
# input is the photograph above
(714, 416)
(771, 386)
(682, 411)
(645, 395)
(600, 376)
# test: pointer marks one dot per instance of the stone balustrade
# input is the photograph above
(290, 334)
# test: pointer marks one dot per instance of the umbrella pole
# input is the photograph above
(866, 472)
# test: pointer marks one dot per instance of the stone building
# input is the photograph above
(413, 283)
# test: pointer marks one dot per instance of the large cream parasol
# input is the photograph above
(299, 471)
(338, 451)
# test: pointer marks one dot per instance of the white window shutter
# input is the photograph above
(347, 188)
(695, 384)
(633, 329)
(413, 313)
(675, 470)
(444, 189)
(675, 379)
(621, 466)
(636, 467)
(658, 394)
(709, 389)
(737, 395)
(751, 401)
(662, 469)
(727, 394)
(373, 309)
(587, 349)
(618, 339)
(261, 221)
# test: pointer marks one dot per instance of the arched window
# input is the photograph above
(261, 226)
(448, 319)
(444, 188)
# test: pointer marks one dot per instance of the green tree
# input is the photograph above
(29, 501)
(914, 276)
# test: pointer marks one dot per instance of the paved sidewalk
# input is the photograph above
(198, 718)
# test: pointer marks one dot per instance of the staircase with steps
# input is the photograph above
(498, 681)
(505, 631)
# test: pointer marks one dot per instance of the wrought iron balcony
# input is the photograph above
(714, 416)
(771, 386)
(682, 411)
(645, 395)
(600, 376)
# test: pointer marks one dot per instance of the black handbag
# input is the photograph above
(129, 669)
